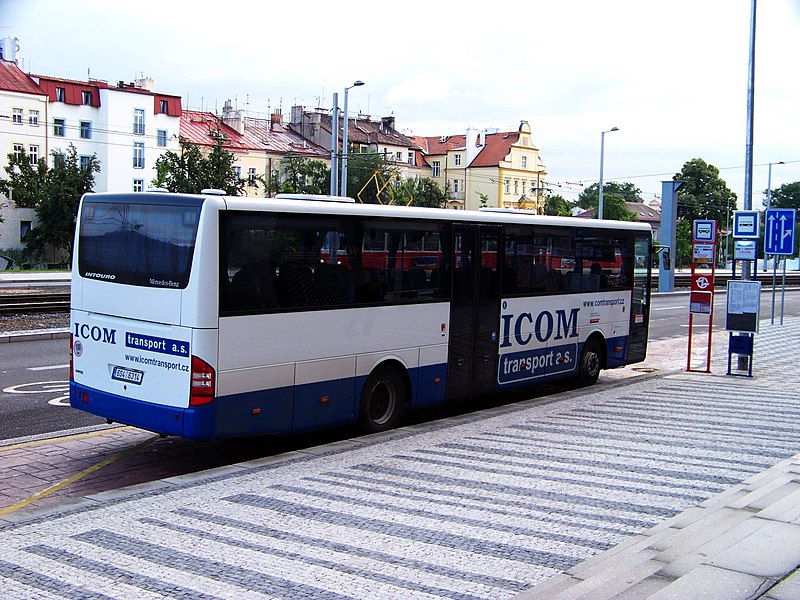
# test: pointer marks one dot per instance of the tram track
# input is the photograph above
(32, 304)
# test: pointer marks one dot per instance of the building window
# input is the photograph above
(436, 169)
(237, 173)
(162, 138)
(86, 130)
(86, 161)
(58, 127)
(524, 162)
(411, 158)
(507, 186)
(60, 94)
(399, 156)
(19, 149)
(251, 176)
(86, 97)
(457, 160)
(516, 187)
(16, 117)
(138, 155)
(24, 229)
(33, 118)
(59, 160)
(138, 185)
(33, 154)
(455, 186)
(138, 121)
(162, 106)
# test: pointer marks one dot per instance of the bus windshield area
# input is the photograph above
(147, 245)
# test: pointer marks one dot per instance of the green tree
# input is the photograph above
(590, 197)
(703, 195)
(424, 191)
(683, 243)
(190, 171)
(556, 205)
(54, 193)
(304, 176)
(787, 196)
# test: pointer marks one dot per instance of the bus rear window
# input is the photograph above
(148, 245)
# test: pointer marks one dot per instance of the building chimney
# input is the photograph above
(388, 123)
(145, 83)
(232, 118)
(8, 49)
(297, 115)
(473, 145)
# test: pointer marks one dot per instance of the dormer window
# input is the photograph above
(61, 94)
(163, 106)
(86, 98)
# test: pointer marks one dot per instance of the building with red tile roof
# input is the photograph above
(23, 128)
(365, 135)
(127, 126)
(488, 168)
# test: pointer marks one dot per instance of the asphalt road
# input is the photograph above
(34, 375)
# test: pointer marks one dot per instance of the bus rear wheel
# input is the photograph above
(589, 364)
(383, 400)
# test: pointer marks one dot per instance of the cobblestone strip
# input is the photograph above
(45, 583)
(114, 573)
(193, 563)
(350, 550)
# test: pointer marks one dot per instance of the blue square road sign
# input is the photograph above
(779, 231)
(705, 231)
(746, 224)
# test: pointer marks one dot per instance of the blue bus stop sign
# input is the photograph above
(779, 231)
(746, 224)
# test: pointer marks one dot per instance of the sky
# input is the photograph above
(671, 76)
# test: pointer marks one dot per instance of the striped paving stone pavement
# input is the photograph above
(487, 505)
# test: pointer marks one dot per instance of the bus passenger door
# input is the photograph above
(640, 311)
(474, 312)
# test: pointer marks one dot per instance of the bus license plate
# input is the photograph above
(127, 375)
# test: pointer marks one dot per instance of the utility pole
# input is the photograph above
(335, 145)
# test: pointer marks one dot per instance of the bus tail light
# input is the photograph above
(203, 382)
(71, 360)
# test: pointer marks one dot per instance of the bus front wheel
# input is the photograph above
(383, 400)
(590, 363)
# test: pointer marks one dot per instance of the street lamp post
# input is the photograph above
(602, 150)
(334, 145)
(356, 83)
(769, 200)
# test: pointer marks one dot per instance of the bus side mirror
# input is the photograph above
(665, 259)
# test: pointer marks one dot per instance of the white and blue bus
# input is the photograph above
(210, 317)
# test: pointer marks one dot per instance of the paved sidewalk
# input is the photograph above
(622, 490)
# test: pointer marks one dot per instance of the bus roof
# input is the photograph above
(320, 206)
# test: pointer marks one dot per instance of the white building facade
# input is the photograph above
(127, 126)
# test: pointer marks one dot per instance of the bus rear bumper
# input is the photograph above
(194, 422)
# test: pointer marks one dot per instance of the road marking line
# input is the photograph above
(48, 368)
(75, 436)
(70, 480)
